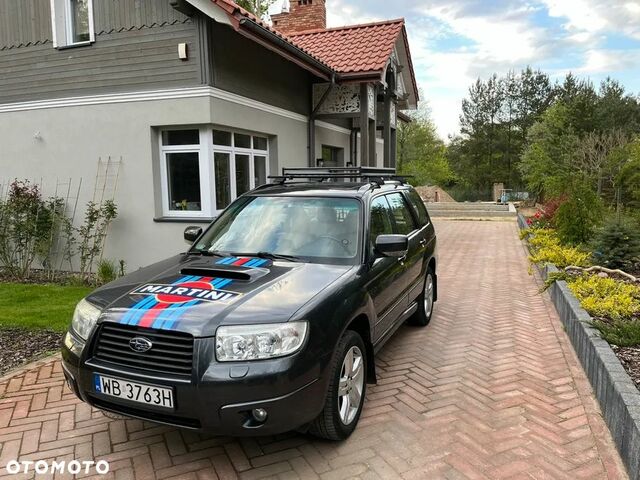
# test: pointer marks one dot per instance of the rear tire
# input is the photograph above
(346, 392)
(426, 301)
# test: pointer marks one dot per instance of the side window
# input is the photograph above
(380, 219)
(72, 22)
(418, 207)
(403, 220)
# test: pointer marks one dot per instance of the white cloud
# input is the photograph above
(598, 15)
(581, 14)
(506, 36)
(341, 13)
(610, 61)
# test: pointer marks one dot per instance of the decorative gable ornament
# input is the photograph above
(372, 101)
(343, 99)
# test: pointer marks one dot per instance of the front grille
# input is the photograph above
(172, 352)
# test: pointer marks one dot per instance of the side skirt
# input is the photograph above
(389, 333)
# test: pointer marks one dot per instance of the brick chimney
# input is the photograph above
(301, 15)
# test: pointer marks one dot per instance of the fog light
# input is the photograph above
(259, 414)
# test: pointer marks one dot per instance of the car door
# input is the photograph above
(426, 237)
(385, 273)
(405, 224)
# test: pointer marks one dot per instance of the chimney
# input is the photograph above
(302, 15)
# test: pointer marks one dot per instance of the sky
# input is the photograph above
(454, 42)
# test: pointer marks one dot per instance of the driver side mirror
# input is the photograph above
(191, 234)
(392, 245)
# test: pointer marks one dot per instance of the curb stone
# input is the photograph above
(29, 366)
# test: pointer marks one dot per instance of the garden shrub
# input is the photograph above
(617, 245)
(34, 228)
(578, 217)
(93, 233)
(546, 248)
(550, 208)
(544, 217)
(28, 225)
(107, 272)
(606, 297)
(625, 333)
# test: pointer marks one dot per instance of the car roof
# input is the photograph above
(328, 189)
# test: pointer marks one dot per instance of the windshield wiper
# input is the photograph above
(278, 256)
(270, 256)
(208, 253)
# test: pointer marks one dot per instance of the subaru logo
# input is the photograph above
(140, 344)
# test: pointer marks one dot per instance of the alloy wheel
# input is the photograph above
(428, 295)
(351, 385)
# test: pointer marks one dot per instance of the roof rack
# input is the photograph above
(376, 176)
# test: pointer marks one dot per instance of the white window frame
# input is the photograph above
(206, 152)
(204, 171)
(62, 24)
(233, 151)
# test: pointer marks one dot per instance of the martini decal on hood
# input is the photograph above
(165, 304)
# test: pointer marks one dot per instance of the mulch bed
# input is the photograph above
(630, 359)
(18, 346)
(40, 277)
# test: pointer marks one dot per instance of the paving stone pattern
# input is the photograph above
(491, 389)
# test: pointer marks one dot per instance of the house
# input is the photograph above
(188, 104)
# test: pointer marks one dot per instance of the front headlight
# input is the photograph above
(258, 342)
(84, 319)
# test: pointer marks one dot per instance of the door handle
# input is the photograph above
(423, 242)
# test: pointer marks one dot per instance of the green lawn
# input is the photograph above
(38, 306)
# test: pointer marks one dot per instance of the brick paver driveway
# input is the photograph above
(491, 389)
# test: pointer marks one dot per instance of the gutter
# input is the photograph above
(322, 70)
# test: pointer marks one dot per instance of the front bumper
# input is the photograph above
(220, 400)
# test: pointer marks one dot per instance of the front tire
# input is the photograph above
(347, 389)
(426, 301)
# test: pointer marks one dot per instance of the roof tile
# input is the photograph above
(352, 49)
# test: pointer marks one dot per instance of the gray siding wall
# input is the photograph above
(123, 14)
(241, 66)
(24, 21)
(135, 49)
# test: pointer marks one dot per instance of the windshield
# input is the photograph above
(320, 230)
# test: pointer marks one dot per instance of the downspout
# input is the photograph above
(311, 134)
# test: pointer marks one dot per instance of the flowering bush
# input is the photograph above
(546, 248)
(544, 217)
(536, 221)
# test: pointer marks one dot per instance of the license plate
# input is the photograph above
(133, 391)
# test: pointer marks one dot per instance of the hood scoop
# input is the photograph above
(222, 271)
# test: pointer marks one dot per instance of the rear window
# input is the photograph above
(418, 206)
(402, 217)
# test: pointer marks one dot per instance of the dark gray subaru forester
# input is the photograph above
(271, 320)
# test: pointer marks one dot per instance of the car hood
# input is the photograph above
(197, 294)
